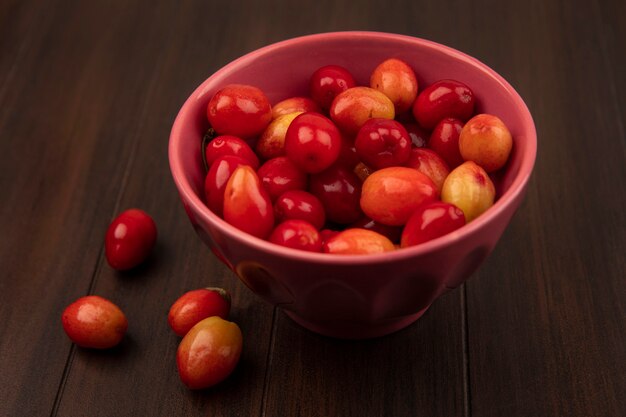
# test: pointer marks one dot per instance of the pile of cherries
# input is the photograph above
(352, 169)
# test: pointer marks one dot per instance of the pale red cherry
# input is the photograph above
(312, 142)
(444, 98)
(396, 79)
(247, 205)
(430, 221)
(297, 234)
(353, 107)
(390, 195)
(419, 136)
(271, 143)
(294, 105)
(239, 110)
(357, 242)
(429, 163)
(486, 140)
(94, 322)
(216, 179)
(469, 188)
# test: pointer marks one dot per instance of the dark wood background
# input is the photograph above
(88, 93)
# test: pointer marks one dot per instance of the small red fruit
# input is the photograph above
(294, 105)
(230, 145)
(445, 141)
(312, 142)
(299, 205)
(339, 190)
(396, 79)
(444, 98)
(327, 82)
(129, 239)
(209, 352)
(486, 140)
(217, 178)
(431, 221)
(280, 174)
(297, 234)
(196, 305)
(357, 242)
(247, 205)
(94, 322)
(239, 110)
(382, 143)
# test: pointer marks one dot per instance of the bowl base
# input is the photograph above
(356, 330)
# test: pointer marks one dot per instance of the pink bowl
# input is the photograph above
(353, 296)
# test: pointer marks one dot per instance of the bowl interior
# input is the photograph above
(282, 70)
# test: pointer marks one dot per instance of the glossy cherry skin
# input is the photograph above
(419, 136)
(353, 107)
(382, 143)
(247, 205)
(312, 142)
(209, 352)
(94, 322)
(239, 110)
(339, 190)
(390, 195)
(196, 305)
(444, 98)
(430, 221)
(294, 105)
(327, 82)
(445, 141)
(429, 163)
(217, 178)
(347, 156)
(230, 145)
(129, 239)
(280, 174)
(299, 205)
(486, 140)
(297, 234)
(357, 242)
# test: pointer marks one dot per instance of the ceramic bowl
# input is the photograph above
(353, 296)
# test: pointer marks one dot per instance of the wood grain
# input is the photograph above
(88, 94)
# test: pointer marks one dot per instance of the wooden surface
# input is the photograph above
(88, 93)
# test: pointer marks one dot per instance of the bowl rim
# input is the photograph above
(199, 208)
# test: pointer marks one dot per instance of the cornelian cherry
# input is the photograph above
(312, 142)
(297, 234)
(327, 82)
(445, 141)
(216, 179)
(430, 221)
(129, 239)
(230, 145)
(382, 143)
(299, 205)
(239, 110)
(444, 98)
(339, 190)
(280, 174)
(196, 305)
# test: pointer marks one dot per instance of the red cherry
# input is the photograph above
(312, 142)
(445, 98)
(445, 141)
(247, 205)
(230, 145)
(382, 143)
(299, 205)
(94, 322)
(196, 305)
(280, 174)
(217, 178)
(339, 190)
(430, 221)
(129, 239)
(239, 110)
(327, 82)
(297, 234)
